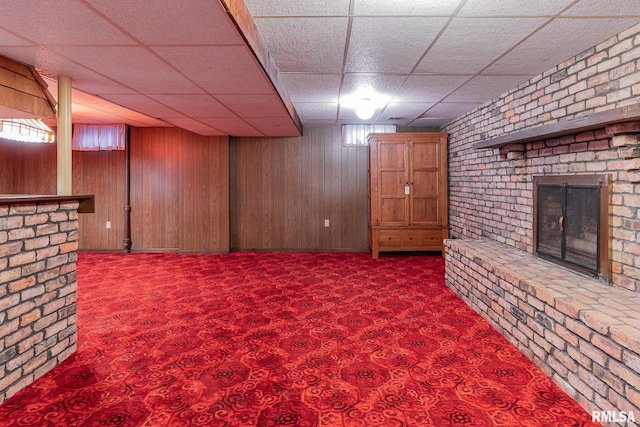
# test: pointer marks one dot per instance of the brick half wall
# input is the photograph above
(38, 243)
(583, 334)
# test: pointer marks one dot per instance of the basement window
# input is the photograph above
(99, 137)
(26, 130)
(356, 135)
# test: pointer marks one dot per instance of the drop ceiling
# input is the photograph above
(216, 70)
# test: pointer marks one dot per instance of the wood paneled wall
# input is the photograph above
(179, 189)
(100, 173)
(283, 189)
(194, 193)
(27, 168)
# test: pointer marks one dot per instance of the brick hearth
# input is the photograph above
(582, 333)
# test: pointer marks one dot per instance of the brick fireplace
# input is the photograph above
(571, 222)
(580, 118)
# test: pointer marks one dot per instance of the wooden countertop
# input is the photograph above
(87, 204)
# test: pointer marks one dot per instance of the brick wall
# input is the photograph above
(586, 339)
(490, 190)
(38, 243)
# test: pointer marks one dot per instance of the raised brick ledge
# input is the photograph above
(602, 307)
(583, 333)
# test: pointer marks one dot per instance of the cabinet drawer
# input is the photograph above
(421, 237)
(390, 238)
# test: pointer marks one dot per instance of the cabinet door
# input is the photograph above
(391, 157)
(425, 176)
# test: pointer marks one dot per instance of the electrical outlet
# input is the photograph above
(108, 224)
(326, 222)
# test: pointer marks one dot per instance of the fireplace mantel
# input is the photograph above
(630, 113)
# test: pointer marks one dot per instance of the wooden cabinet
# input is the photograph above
(407, 192)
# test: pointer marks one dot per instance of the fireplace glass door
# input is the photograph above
(568, 222)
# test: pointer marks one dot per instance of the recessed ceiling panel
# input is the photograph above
(390, 45)
(134, 67)
(220, 69)
(513, 7)
(180, 23)
(483, 88)
(562, 39)
(297, 8)
(405, 8)
(60, 22)
(305, 44)
(470, 44)
(303, 87)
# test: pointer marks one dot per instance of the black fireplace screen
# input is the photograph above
(568, 221)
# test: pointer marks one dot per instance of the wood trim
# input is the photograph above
(600, 120)
(86, 202)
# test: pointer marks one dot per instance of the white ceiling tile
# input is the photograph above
(254, 105)
(143, 104)
(312, 87)
(220, 69)
(428, 88)
(513, 7)
(470, 44)
(9, 39)
(194, 22)
(134, 67)
(621, 8)
(562, 39)
(92, 112)
(89, 82)
(305, 44)
(390, 45)
(449, 110)
(405, 111)
(404, 7)
(60, 22)
(194, 105)
(297, 7)
(483, 88)
(101, 46)
(324, 111)
(382, 86)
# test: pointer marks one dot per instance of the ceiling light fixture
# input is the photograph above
(365, 109)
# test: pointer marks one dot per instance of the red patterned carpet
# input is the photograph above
(284, 339)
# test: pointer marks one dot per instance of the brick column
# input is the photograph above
(38, 243)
